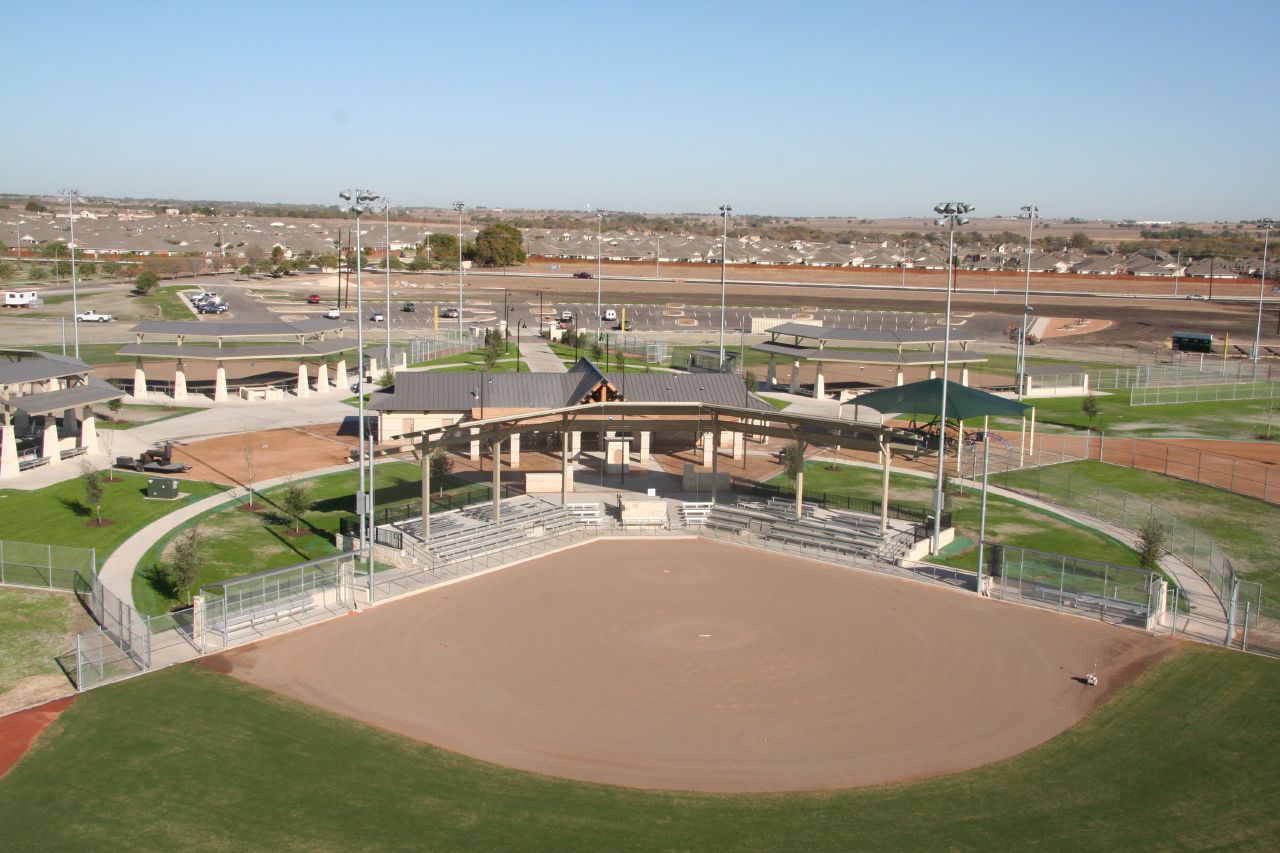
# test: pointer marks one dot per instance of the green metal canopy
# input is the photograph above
(924, 397)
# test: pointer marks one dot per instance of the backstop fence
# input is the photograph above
(1202, 392)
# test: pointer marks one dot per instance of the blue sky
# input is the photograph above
(1141, 110)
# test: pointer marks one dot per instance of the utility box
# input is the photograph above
(162, 488)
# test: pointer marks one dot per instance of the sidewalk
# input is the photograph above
(538, 355)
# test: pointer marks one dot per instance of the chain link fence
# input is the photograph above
(1104, 591)
(47, 566)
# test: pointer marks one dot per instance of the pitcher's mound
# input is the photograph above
(689, 664)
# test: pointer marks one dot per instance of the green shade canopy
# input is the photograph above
(963, 403)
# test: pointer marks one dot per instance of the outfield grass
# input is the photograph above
(56, 514)
(1239, 419)
(1243, 527)
(189, 759)
(35, 627)
(1008, 522)
(239, 542)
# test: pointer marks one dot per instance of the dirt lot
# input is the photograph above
(687, 664)
(276, 453)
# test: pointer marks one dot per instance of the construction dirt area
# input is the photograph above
(270, 453)
(695, 665)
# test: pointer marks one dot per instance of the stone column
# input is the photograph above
(933, 372)
(180, 382)
(322, 378)
(886, 458)
(304, 388)
(88, 430)
(49, 440)
(139, 380)
(404, 359)
(795, 377)
(475, 446)
(564, 459)
(800, 448)
(496, 446)
(773, 370)
(8, 452)
(644, 447)
(964, 376)
(515, 451)
(739, 445)
(708, 449)
(373, 369)
(897, 376)
(340, 374)
(715, 468)
(220, 385)
(819, 384)
(575, 444)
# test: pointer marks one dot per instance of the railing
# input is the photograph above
(919, 516)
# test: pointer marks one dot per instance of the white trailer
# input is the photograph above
(21, 298)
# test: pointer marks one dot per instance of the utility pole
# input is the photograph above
(725, 212)
(71, 196)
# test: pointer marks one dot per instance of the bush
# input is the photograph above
(146, 281)
(184, 569)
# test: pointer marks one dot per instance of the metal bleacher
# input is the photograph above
(818, 530)
(464, 534)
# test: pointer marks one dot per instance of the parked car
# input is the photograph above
(583, 275)
(566, 314)
(313, 299)
(609, 314)
(92, 317)
(1198, 296)
(211, 308)
(624, 327)
(333, 314)
(377, 317)
(449, 313)
(409, 307)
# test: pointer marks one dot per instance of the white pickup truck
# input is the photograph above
(92, 317)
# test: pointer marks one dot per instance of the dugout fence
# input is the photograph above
(1105, 591)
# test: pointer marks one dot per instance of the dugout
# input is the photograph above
(1192, 342)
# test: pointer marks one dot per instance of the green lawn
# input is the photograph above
(1239, 419)
(240, 542)
(1243, 527)
(775, 402)
(35, 627)
(187, 758)
(56, 514)
(1007, 521)
(475, 356)
(89, 353)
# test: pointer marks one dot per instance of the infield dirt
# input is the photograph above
(688, 664)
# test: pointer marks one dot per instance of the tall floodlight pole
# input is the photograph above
(725, 212)
(71, 196)
(951, 214)
(599, 269)
(1030, 213)
(360, 202)
(386, 316)
(458, 206)
(657, 257)
(1265, 224)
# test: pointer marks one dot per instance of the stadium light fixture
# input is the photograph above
(951, 214)
(459, 206)
(1265, 224)
(71, 196)
(725, 212)
(361, 202)
(1030, 213)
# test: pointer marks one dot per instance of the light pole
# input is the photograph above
(360, 202)
(71, 196)
(657, 258)
(386, 317)
(725, 212)
(1030, 213)
(599, 268)
(428, 250)
(1265, 224)
(519, 327)
(951, 214)
(458, 206)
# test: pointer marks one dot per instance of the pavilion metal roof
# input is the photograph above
(21, 366)
(924, 397)
(45, 402)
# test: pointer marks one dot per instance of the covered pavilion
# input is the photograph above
(300, 341)
(806, 342)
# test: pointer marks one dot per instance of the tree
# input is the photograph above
(441, 464)
(792, 460)
(444, 249)
(749, 379)
(7, 271)
(498, 245)
(1089, 405)
(387, 379)
(296, 502)
(246, 450)
(34, 206)
(1152, 545)
(94, 491)
(1080, 240)
(184, 567)
(36, 273)
(597, 351)
(146, 281)
(247, 269)
(110, 267)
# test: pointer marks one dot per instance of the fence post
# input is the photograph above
(49, 559)
(1062, 581)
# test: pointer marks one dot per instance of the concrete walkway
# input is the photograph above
(537, 353)
(117, 572)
